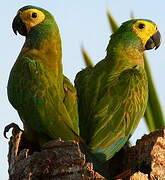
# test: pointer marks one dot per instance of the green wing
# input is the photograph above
(70, 101)
(81, 82)
(33, 91)
(117, 111)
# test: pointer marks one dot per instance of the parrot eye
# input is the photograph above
(34, 15)
(141, 26)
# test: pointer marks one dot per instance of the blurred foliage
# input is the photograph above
(86, 57)
(153, 115)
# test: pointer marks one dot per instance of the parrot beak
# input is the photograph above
(154, 41)
(19, 26)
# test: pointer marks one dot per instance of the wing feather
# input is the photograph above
(37, 99)
(117, 113)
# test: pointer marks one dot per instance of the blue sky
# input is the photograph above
(80, 22)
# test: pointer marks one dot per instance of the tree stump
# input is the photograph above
(60, 160)
(147, 157)
(57, 160)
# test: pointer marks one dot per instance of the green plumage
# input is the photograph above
(44, 98)
(112, 96)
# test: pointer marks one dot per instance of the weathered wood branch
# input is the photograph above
(147, 156)
(59, 160)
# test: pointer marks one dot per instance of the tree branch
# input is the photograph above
(60, 160)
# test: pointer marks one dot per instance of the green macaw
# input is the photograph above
(112, 95)
(44, 98)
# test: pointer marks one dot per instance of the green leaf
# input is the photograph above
(87, 60)
(153, 115)
(113, 25)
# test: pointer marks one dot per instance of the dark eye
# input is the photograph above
(34, 15)
(141, 26)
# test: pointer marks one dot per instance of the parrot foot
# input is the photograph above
(8, 127)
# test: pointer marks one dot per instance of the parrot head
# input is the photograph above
(148, 32)
(28, 18)
(145, 31)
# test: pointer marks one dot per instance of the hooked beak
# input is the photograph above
(154, 41)
(19, 26)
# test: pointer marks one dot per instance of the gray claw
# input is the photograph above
(8, 127)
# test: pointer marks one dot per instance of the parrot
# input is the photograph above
(112, 95)
(44, 98)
